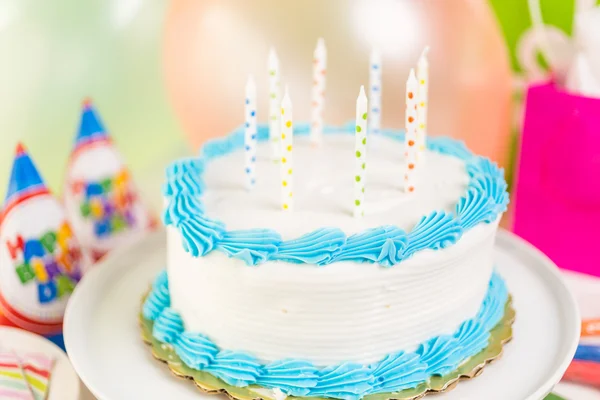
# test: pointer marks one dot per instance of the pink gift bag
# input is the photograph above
(557, 201)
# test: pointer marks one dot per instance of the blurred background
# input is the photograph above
(166, 75)
(62, 51)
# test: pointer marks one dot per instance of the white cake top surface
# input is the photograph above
(324, 187)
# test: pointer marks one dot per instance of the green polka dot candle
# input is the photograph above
(274, 103)
(287, 153)
(360, 153)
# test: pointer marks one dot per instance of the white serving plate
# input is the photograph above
(104, 341)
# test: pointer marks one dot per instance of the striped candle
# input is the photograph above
(274, 103)
(411, 150)
(375, 92)
(423, 78)
(360, 146)
(318, 92)
(287, 159)
(250, 139)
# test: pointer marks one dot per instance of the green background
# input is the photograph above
(64, 50)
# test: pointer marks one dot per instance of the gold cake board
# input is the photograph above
(499, 335)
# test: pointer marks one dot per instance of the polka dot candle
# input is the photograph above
(250, 133)
(422, 97)
(287, 159)
(411, 146)
(318, 92)
(360, 146)
(274, 103)
(375, 92)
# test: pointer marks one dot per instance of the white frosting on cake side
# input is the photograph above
(343, 311)
(323, 188)
(340, 312)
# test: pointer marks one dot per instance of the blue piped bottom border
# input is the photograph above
(349, 381)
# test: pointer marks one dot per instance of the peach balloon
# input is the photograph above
(212, 45)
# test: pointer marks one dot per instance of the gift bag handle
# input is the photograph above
(541, 31)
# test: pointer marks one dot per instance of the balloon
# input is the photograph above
(212, 45)
(59, 52)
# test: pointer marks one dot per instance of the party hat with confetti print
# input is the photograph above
(100, 197)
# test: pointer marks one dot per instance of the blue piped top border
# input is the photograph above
(485, 199)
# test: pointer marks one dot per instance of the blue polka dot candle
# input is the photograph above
(250, 133)
(318, 92)
(375, 92)
(287, 154)
(274, 103)
(411, 149)
(360, 153)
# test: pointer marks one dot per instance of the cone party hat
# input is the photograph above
(40, 260)
(100, 197)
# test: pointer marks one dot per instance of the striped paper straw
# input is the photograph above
(37, 369)
(584, 372)
(318, 92)
(411, 149)
(274, 102)
(287, 159)
(590, 327)
(588, 352)
(423, 95)
(250, 139)
(360, 145)
(13, 384)
(375, 92)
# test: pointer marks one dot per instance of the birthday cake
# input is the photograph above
(328, 273)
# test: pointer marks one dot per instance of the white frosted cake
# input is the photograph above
(314, 302)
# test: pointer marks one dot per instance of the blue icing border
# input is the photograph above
(485, 199)
(348, 381)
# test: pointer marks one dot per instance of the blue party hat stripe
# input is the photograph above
(90, 126)
(24, 178)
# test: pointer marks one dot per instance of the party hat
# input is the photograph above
(91, 128)
(100, 197)
(24, 182)
(40, 260)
